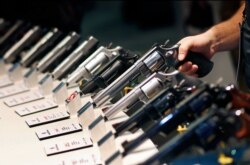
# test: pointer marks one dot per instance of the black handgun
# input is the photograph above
(153, 110)
(187, 109)
(218, 124)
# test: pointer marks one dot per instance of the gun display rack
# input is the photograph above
(62, 102)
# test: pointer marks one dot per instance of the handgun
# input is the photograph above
(108, 73)
(56, 53)
(187, 109)
(13, 34)
(79, 54)
(217, 125)
(142, 92)
(41, 47)
(93, 64)
(28, 38)
(156, 59)
(154, 109)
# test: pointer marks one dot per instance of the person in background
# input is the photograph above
(221, 37)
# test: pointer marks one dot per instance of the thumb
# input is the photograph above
(183, 50)
(185, 45)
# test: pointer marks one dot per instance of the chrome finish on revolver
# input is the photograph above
(55, 53)
(81, 51)
(93, 64)
(156, 59)
(44, 43)
(144, 91)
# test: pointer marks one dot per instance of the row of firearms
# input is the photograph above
(160, 101)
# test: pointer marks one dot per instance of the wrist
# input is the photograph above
(214, 40)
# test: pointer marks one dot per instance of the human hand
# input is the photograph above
(202, 44)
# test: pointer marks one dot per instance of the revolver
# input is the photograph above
(13, 34)
(93, 64)
(143, 92)
(160, 57)
(217, 125)
(109, 73)
(28, 38)
(64, 46)
(186, 110)
(154, 109)
(80, 53)
(44, 44)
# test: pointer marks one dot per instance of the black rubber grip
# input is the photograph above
(204, 65)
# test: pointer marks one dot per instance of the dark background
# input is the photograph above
(109, 21)
(131, 24)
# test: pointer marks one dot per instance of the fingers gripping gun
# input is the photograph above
(160, 57)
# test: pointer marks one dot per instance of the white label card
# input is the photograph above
(36, 107)
(69, 145)
(57, 131)
(92, 159)
(13, 89)
(23, 98)
(44, 119)
(5, 81)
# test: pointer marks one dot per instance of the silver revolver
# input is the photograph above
(81, 51)
(65, 45)
(143, 92)
(40, 47)
(158, 58)
(93, 64)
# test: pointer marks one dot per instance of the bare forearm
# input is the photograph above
(226, 35)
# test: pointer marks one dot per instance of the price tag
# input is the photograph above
(57, 131)
(66, 146)
(5, 81)
(12, 90)
(36, 107)
(92, 159)
(44, 119)
(23, 98)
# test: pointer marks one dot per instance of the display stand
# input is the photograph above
(46, 84)
(16, 72)
(107, 146)
(31, 78)
(2, 68)
(59, 93)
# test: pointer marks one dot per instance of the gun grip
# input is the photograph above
(204, 65)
